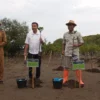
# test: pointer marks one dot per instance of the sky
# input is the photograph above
(53, 14)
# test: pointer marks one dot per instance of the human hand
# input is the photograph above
(63, 52)
(75, 45)
(41, 40)
(25, 54)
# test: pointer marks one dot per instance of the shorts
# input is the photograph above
(67, 62)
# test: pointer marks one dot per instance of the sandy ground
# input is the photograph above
(14, 68)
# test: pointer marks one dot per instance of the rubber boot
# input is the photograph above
(65, 76)
(79, 77)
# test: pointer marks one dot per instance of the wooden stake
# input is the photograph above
(24, 57)
(32, 78)
(91, 63)
(49, 59)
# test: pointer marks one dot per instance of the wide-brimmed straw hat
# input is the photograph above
(71, 22)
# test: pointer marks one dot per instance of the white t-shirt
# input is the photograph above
(33, 40)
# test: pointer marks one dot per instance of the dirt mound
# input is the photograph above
(60, 68)
(93, 70)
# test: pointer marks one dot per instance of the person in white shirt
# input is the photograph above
(33, 44)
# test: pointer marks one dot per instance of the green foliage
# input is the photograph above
(89, 48)
(91, 45)
(55, 47)
(40, 29)
(16, 33)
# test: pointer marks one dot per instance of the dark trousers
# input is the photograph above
(38, 69)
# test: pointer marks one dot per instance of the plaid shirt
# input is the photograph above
(69, 39)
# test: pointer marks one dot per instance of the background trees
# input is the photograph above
(16, 33)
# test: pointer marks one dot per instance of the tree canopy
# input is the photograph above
(16, 33)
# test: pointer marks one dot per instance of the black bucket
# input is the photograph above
(57, 83)
(21, 83)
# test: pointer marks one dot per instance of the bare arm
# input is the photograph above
(41, 40)
(78, 45)
(26, 49)
(63, 45)
(63, 49)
